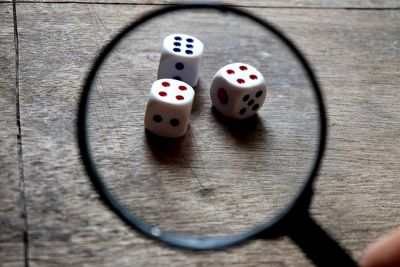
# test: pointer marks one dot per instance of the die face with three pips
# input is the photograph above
(238, 90)
(180, 58)
(169, 107)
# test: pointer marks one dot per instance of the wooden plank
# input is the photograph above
(358, 67)
(11, 222)
(373, 4)
(357, 193)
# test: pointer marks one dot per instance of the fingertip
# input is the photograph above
(384, 253)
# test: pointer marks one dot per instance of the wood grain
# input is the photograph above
(11, 222)
(373, 4)
(357, 192)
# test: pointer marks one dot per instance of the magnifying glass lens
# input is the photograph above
(223, 176)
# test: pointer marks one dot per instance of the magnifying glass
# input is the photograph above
(226, 181)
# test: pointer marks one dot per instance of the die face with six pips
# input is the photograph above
(238, 90)
(169, 107)
(180, 58)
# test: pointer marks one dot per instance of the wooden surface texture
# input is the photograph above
(11, 189)
(51, 216)
(348, 4)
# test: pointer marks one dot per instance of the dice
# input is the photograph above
(168, 108)
(238, 90)
(180, 58)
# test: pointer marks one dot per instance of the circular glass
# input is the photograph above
(224, 178)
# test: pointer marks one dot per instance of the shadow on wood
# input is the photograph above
(245, 132)
(199, 97)
(164, 148)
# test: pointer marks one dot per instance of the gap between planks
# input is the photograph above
(24, 214)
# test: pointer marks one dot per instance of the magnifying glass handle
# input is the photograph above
(318, 245)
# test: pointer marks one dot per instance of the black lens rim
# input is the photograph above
(170, 237)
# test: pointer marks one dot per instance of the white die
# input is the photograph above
(169, 107)
(238, 90)
(180, 58)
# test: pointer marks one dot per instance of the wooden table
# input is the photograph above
(51, 216)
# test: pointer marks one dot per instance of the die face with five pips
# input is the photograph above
(238, 90)
(169, 107)
(180, 58)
